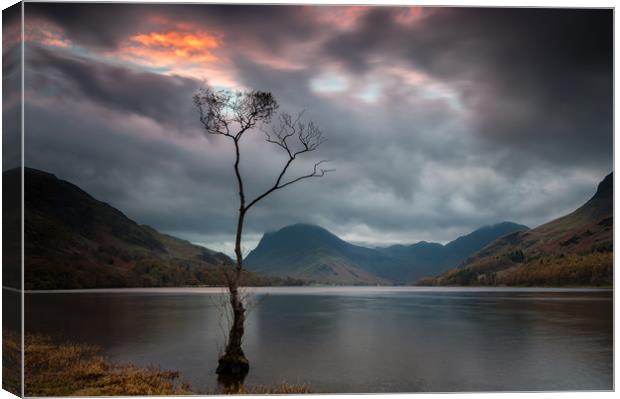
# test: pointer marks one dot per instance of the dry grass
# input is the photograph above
(11, 361)
(282, 389)
(79, 370)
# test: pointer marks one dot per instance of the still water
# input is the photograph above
(353, 339)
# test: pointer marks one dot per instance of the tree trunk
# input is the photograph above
(233, 366)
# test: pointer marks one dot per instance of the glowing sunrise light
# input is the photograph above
(182, 49)
(195, 47)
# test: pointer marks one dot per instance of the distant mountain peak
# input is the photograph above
(299, 232)
(502, 225)
(301, 227)
(426, 244)
(313, 253)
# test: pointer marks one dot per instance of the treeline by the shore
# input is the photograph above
(149, 272)
(570, 270)
(595, 269)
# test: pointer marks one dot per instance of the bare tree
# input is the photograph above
(232, 115)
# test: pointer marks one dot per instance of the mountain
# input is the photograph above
(73, 240)
(466, 245)
(576, 249)
(313, 253)
(424, 258)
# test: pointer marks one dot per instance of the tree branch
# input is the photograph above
(309, 138)
(220, 110)
(315, 173)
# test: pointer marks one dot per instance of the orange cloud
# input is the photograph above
(172, 45)
(179, 48)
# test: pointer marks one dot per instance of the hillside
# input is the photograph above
(424, 258)
(576, 249)
(11, 229)
(73, 240)
(313, 253)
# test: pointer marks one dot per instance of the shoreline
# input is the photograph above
(312, 289)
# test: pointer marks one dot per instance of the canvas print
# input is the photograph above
(208, 199)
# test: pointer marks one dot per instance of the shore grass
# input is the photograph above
(80, 370)
(11, 361)
(71, 369)
(282, 389)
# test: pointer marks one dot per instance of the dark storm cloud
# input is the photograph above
(510, 119)
(388, 166)
(150, 178)
(366, 142)
(107, 25)
(167, 100)
(271, 27)
(523, 40)
(532, 75)
(100, 25)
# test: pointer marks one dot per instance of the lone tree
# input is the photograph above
(233, 114)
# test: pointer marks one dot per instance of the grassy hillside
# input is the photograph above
(73, 241)
(576, 249)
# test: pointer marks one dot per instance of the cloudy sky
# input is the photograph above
(439, 120)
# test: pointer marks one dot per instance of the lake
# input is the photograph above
(353, 339)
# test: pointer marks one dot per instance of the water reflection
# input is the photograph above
(355, 340)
